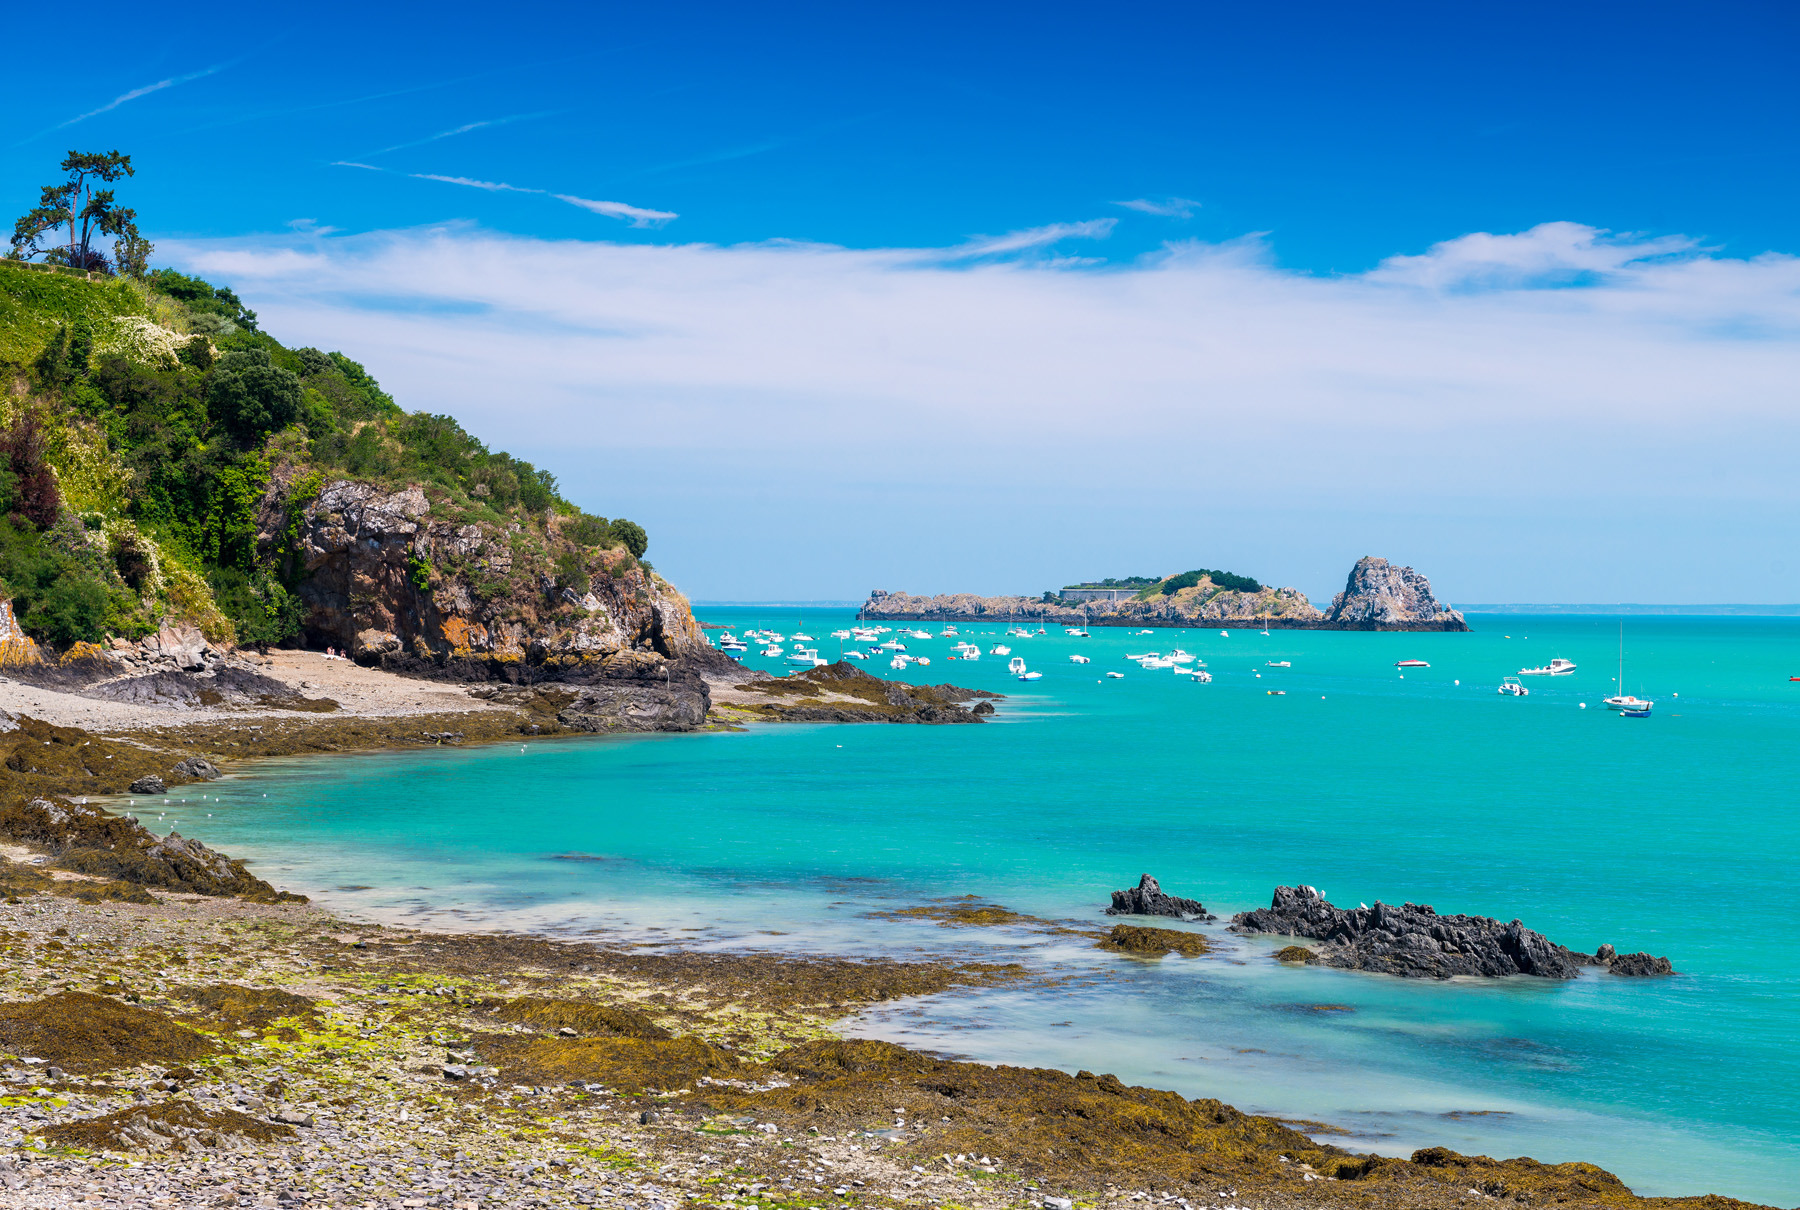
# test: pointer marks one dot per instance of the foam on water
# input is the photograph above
(1677, 834)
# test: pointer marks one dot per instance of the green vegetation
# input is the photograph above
(1127, 582)
(1228, 581)
(149, 426)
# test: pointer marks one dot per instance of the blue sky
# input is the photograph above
(1039, 171)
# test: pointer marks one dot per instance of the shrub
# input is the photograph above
(631, 536)
(261, 609)
(28, 483)
(571, 572)
(250, 397)
(588, 530)
(1222, 579)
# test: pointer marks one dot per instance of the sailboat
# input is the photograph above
(1623, 702)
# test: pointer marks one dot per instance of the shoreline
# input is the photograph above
(750, 1055)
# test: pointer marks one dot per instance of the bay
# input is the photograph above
(1676, 834)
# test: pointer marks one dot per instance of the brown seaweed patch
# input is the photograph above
(1296, 954)
(627, 1064)
(582, 1017)
(87, 1034)
(1152, 942)
(963, 911)
(243, 1006)
(169, 1126)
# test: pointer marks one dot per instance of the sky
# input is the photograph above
(996, 298)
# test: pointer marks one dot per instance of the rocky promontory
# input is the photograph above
(1148, 898)
(1377, 596)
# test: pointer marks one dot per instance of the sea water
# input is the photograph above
(1677, 834)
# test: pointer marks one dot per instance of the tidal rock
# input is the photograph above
(1148, 899)
(636, 706)
(1381, 596)
(198, 768)
(1410, 940)
(1638, 964)
(149, 784)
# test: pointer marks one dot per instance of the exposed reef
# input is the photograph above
(842, 692)
(1410, 940)
(1147, 898)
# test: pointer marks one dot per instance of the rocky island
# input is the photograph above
(1377, 596)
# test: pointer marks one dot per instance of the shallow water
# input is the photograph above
(1677, 834)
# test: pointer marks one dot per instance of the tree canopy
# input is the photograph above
(89, 214)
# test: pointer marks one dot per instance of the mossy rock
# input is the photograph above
(1153, 942)
(247, 1006)
(87, 1034)
(628, 1064)
(1297, 955)
(582, 1017)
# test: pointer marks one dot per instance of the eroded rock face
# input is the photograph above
(391, 584)
(1148, 899)
(1381, 596)
(1410, 940)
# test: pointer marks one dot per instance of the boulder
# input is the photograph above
(198, 768)
(1148, 899)
(1411, 940)
(1638, 964)
(149, 784)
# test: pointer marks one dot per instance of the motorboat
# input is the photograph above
(840, 634)
(1197, 674)
(1078, 659)
(807, 657)
(1016, 665)
(1556, 667)
(948, 632)
(1644, 713)
(1411, 664)
(1144, 632)
(771, 650)
(1181, 657)
(730, 642)
(918, 634)
(1075, 632)
(1115, 676)
(921, 660)
(1279, 664)
(1031, 676)
(855, 655)
(899, 661)
(893, 645)
(1224, 634)
(999, 649)
(803, 638)
(1510, 687)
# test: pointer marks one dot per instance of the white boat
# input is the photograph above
(771, 650)
(1511, 687)
(855, 655)
(1144, 632)
(1411, 664)
(1199, 674)
(807, 657)
(899, 661)
(1156, 662)
(730, 642)
(1279, 664)
(1622, 701)
(1031, 676)
(921, 660)
(1016, 665)
(1224, 634)
(1075, 632)
(1181, 657)
(968, 651)
(999, 649)
(918, 634)
(893, 645)
(948, 632)
(1115, 676)
(840, 634)
(1078, 659)
(1556, 667)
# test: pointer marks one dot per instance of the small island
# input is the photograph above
(1378, 595)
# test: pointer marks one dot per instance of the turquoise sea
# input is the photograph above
(1678, 834)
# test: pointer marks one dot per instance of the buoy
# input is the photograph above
(1584, 705)
(1456, 682)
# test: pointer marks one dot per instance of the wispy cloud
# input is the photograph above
(1033, 237)
(637, 216)
(1168, 207)
(127, 97)
(466, 128)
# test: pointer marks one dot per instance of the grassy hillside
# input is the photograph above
(142, 425)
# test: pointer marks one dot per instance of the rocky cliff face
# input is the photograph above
(1381, 596)
(393, 581)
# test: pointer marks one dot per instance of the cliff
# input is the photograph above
(1378, 596)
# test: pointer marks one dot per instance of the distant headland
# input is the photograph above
(1377, 596)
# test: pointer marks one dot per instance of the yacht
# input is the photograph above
(771, 650)
(1556, 667)
(1078, 659)
(948, 632)
(893, 645)
(730, 642)
(1075, 632)
(1181, 657)
(1510, 686)
(807, 657)
(918, 634)
(1623, 702)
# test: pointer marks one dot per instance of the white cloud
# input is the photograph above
(1034, 237)
(471, 182)
(954, 418)
(1168, 207)
(637, 216)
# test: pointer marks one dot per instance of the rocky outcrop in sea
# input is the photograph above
(1147, 898)
(1377, 596)
(1411, 940)
(1381, 596)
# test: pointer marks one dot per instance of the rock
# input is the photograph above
(637, 706)
(647, 1118)
(293, 1117)
(149, 784)
(1058, 1203)
(1410, 940)
(1297, 954)
(1148, 899)
(1381, 596)
(1605, 954)
(1639, 964)
(983, 708)
(455, 1071)
(198, 768)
